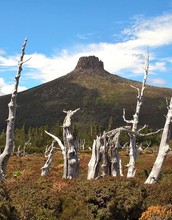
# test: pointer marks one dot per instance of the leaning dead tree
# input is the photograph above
(12, 106)
(69, 147)
(49, 155)
(163, 149)
(133, 150)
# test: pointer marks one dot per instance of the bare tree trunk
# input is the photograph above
(115, 159)
(4, 157)
(71, 160)
(100, 154)
(110, 161)
(93, 165)
(81, 144)
(26, 144)
(120, 168)
(50, 151)
(69, 148)
(163, 149)
(18, 151)
(105, 166)
(133, 148)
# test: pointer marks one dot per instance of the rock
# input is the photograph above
(90, 62)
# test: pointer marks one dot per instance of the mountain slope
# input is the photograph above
(99, 94)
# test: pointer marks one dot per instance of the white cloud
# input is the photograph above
(157, 82)
(117, 57)
(152, 32)
(6, 88)
(2, 52)
(8, 61)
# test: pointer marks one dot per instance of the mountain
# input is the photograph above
(100, 95)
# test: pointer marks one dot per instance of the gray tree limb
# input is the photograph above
(133, 149)
(12, 106)
(163, 149)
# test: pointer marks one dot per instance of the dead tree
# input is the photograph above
(18, 153)
(69, 147)
(105, 150)
(49, 154)
(133, 152)
(94, 163)
(22, 152)
(105, 166)
(8, 150)
(26, 144)
(111, 163)
(81, 144)
(163, 149)
(116, 167)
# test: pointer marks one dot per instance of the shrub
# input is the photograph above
(157, 212)
(7, 211)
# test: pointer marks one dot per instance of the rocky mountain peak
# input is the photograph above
(90, 62)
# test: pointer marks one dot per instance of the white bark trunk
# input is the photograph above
(116, 168)
(104, 155)
(133, 148)
(4, 157)
(26, 144)
(45, 169)
(110, 160)
(93, 165)
(69, 148)
(120, 168)
(71, 160)
(163, 149)
(100, 155)
(115, 162)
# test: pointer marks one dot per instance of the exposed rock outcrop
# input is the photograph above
(90, 62)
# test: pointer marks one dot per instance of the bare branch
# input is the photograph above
(127, 121)
(138, 90)
(25, 60)
(142, 128)
(56, 139)
(151, 133)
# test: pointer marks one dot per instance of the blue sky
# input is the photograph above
(61, 31)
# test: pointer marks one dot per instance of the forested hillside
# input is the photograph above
(101, 96)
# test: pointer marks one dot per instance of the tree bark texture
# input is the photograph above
(12, 106)
(71, 160)
(105, 166)
(115, 158)
(69, 147)
(94, 163)
(105, 152)
(163, 149)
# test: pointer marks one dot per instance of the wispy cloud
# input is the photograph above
(120, 57)
(7, 88)
(84, 36)
(157, 82)
(2, 52)
(153, 31)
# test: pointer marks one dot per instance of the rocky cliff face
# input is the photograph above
(90, 62)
